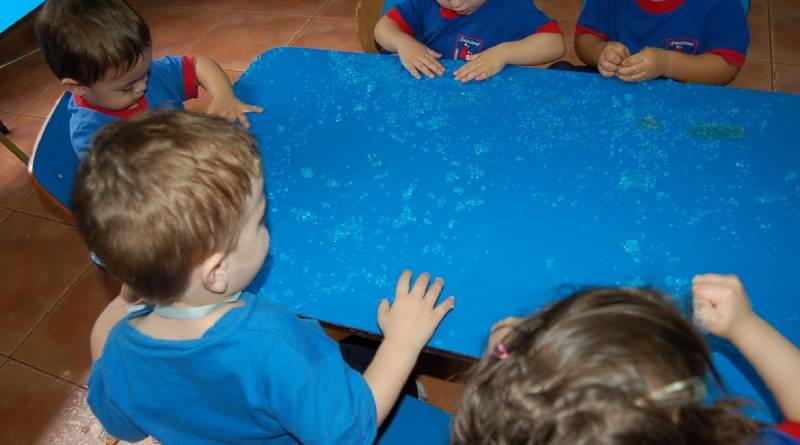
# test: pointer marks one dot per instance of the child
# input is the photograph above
(174, 202)
(101, 52)
(621, 366)
(686, 40)
(488, 34)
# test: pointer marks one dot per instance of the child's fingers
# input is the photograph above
(433, 65)
(243, 119)
(403, 283)
(420, 65)
(383, 310)
(434, 53)
(444, 307)
(421, 284)
(434, 290)
(252, 108)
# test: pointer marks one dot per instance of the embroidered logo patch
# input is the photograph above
(466, 45)
(686, 46)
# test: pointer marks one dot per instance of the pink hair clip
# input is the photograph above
(500, 352)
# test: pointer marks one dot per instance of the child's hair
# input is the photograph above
(85, 40)
(588, 369)
(160, 192)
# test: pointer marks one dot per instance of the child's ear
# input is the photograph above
(214, 273)
(74, 87)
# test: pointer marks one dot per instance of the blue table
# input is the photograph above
(14, 10)
(517, 186)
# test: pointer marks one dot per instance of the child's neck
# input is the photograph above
(167, 327)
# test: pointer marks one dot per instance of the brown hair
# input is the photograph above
(160, 192)
(85, 40)
(584, 370)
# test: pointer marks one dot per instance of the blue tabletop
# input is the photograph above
(517, 186)
(13, 10)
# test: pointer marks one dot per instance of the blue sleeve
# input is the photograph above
(726, 28)
(113, 420)
(412, 12)
(172, 81)
(322, 400)
(596, 16)
(533, 16)
(83, 125)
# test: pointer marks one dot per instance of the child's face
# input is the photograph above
(246, 259)
(120, 91)
(462, 7)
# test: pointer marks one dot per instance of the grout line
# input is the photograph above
(210, 28)
(46, 218)
(17, 113)
(58, 300)
(47, 373)
(297, 34)
(321, 7)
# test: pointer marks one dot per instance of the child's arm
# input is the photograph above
(723, 308)
(606, 56)
(537, 48)
(225, 104)
(650, 63)
(414, 56)
(111, 315)
(407, 325)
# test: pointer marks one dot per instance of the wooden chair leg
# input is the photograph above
(368, 12)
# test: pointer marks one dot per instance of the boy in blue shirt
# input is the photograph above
(701, 41)
(102, 53)
(174, 203)
(488, 34)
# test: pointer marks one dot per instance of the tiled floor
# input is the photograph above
(50, 295)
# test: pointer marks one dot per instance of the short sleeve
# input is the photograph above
(595, 19)
(409, 16)
(322, 399)
(83, 125)
(173, 78)
(727, 33)
(114, 422)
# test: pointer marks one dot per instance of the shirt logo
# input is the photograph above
(466, 45)
(684, 45)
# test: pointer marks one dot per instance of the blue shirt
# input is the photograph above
(687, 26)
(170, 81)
(259, 376)
(454, 36)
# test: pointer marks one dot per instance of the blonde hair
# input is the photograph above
(160, 192)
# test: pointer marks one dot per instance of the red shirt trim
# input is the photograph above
(730, 56)
(141, 107)
(549, 27)
(189, 77)
(448, 14)
(395, 16)
(580, 30)
(659, 7)
(790, 428)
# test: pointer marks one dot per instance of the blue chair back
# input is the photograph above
(53, 165)
(389, 4)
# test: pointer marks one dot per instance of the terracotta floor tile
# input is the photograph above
(252, 33)
(215, 5)
(38, 409)
(758, 18)
(60, 343)
(24, 82)
(339, 9)
(3, 360)
(14, 183)
(41, 107)
(305, 8)
(173, 30)
(4, 213)
(40, 260)
(39, 205)
(785, 18)
(754, 76)
(201, 103)
(787, 78)
(329, 34)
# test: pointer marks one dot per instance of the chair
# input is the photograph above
(53, 164)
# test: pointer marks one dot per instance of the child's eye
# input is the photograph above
(127, 89)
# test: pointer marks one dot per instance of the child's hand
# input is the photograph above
(647, 64)
(500, 330)
(231, 108)
(483, 65)
(721, 305)
(611, 57)
(417, 57)
(411, 320)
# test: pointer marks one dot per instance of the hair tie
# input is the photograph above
(500, 352)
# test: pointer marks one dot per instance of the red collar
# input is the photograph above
(141, 107)
(664, 7)
(448, 14)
